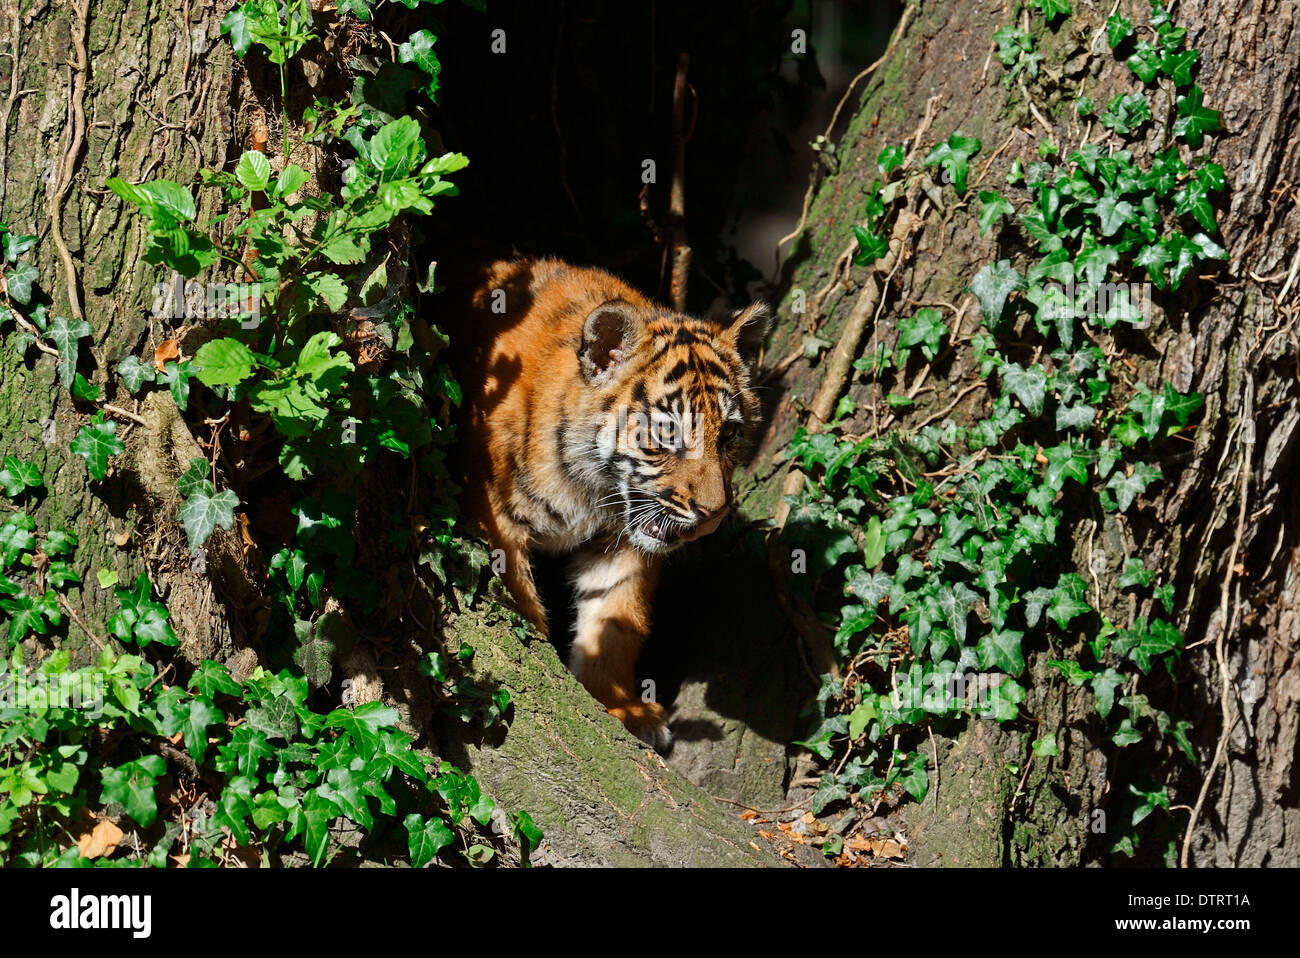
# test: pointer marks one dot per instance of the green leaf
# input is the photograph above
(197, 715)
(870, 246)
(363, 724)
(1103, 687)
(1128, 487)
(1118, 29)
(419, 51)
(1068, 599)
(253, 170)
(1126, 112)
(426, 837)
(1194, 118)
(132, 785)
(140, 618)
(992, 208)
(1000, 649)
(224, 362)
(65, 335)
(1179, 65)
(95, 443)
(1046, 747)
(1027, 385)
(395, 149)
(1053, 8)
(19, 281)
(18, 475)
(206, 510)
(134, 374)
(992, 285)
(954, 156)
(890, 158)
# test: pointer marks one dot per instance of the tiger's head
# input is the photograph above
(671, 409)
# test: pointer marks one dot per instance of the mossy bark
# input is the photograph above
(132, 88)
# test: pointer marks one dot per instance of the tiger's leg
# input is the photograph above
(612, 592)
(518, 576)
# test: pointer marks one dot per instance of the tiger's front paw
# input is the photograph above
(647, 721)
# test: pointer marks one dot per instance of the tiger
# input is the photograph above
(599, 425)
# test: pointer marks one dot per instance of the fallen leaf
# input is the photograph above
(100, 841)
(122, 538)
(167, 350)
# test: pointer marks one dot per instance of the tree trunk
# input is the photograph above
(119, 88)
(1220, 525)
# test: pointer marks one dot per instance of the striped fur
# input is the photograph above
(598, 424)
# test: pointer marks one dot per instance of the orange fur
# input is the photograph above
(599, 424)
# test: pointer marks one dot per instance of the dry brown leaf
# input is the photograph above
(122, 538)
(100, 841)
(167, 350)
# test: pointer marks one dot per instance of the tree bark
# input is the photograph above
(133, 88)
(1220, 525)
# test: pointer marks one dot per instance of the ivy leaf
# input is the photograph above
(1073, 671)
(992, 285)
(419, 51)
(134, 374)
(1027, 385)
(213, 678)
(1103, 687)
(1113, 213)
(362, 724)
(1178, 66)
(65, 335)
(16, 537)
(1053, 8)
(1067, 599)
(1145, 61)
(1118, 29)
(992, 207)
(132, 785)
(954, 156)
(1000, 649)
(1194, 118)
(177, 376)
(1126, 112)
(426, 837)
(140, 618)
(1128, 487)
(198, 714)
(205, 510)
(19, 280)
(870, 246)
(95, 443)
(18, 475)
(890, 158)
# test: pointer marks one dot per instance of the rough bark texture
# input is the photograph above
(117, 88)
(1231, 338)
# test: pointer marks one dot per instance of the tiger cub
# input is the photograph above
(599, 424)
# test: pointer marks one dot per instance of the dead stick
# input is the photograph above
(677, 199)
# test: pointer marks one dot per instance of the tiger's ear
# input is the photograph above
(610, 336)
(748, 329)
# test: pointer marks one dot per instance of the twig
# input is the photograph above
(1220, 653)
(681, 270)
(66, 172)
(72, 614)
(124, 413)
